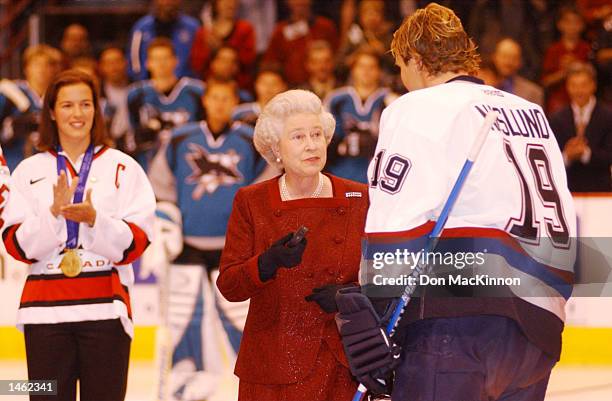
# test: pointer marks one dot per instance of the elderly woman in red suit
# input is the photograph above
(291, 349)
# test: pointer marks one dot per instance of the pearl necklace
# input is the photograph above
(285, 192)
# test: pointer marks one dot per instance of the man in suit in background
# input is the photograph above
(507, 60)
(584, 132)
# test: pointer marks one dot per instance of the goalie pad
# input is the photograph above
(167, 241)
(193, 345)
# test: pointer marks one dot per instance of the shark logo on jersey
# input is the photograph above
(157, 120)
(210, 170)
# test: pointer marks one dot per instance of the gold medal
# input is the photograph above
(71, 263)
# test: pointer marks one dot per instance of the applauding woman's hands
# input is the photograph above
(83, 212)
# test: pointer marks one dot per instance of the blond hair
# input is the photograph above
(52, 55)
(435, 36)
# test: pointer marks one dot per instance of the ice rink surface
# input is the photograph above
(568, 383)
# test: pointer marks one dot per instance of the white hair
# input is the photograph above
(271, 121)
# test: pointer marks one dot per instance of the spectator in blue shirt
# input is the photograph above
(165, 20)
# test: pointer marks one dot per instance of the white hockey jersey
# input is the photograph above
(125, 207)
(5, 176)
(516, 193)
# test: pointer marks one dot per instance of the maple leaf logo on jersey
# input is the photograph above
(210, 170)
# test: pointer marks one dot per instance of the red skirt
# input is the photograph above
(328, 381)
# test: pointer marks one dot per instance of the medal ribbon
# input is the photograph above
(73, 226)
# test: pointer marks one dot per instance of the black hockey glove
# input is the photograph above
(367, 143)
(358, 142)
(25, 124)
(326, 296)
(146, 138)
(280, 255)
(372, 356)
(126, 143)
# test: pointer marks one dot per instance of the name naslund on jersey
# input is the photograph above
(517, 188)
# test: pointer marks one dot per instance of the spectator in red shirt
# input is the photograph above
(223, 29)
(291, 38)
(560, 55)
(594, 10)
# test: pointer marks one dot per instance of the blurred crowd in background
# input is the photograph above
(557, 54)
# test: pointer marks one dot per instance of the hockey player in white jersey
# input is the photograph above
(514, 209)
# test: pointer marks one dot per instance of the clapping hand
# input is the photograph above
(83, 212)
(575, 147)
(62, 193)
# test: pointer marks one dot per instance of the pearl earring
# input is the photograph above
(278, 159)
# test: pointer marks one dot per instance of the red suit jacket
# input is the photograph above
(283, 332)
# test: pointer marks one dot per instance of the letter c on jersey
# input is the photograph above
(119, 167)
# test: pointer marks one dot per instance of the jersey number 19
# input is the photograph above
(527, 226)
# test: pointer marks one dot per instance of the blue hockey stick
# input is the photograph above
(434, 236)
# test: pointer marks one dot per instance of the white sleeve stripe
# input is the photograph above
(12, 91)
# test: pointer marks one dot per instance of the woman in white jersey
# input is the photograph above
(78, 214)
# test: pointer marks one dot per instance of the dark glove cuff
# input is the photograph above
(267, 268)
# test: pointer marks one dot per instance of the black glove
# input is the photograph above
(126, 143)
(326, 296)
(25, 124)
(367, 143)
(20, 127)
(358, 142)
(280, 255)
(146, 138)
(372, 356)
